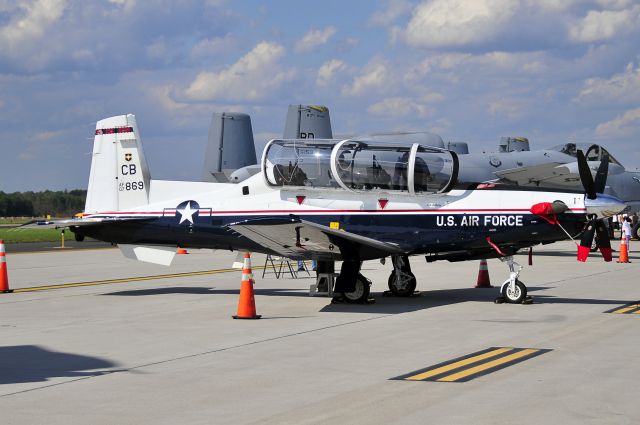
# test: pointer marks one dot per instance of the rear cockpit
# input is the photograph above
(359, 166)
(591, 151)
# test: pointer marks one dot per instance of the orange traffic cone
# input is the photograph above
(4, 278)
(181, 251)
(483, 276)
(246, 303)
(624, 253)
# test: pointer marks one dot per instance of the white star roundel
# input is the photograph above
(187, 210)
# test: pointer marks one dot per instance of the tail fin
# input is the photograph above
(308, 122)
(119, 178)
(230, 146)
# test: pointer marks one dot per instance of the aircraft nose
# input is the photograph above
(604, 205)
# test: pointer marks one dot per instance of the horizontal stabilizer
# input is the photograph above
(298, 239)
(162, 255)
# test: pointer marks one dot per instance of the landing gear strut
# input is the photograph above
(402, 282)
(513, 290)
(351, 286)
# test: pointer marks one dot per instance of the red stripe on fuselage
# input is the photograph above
(327, 212)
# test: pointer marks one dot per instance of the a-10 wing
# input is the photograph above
(299, 239)
(550, 174)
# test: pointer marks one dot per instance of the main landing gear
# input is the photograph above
(351, 286)
(513, 290)
(402, 282)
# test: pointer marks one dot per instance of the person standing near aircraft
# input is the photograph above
(626, 230)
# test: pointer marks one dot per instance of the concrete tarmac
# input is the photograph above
(166, 351)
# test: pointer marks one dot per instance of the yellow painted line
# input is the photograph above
(636, 312)
(57, 249)
(474, 359)
(488, 365)
(625, 309)
(130, 279)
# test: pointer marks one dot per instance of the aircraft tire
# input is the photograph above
(517, 296)
(78, 237)
(361, 293)
(406, 290)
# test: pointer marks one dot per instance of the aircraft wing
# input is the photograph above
(59, 224)
(300, 239)
(538, 175)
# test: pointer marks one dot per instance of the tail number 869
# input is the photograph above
(131, 186)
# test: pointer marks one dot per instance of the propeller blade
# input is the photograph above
(601, 175)
(585, 175)
(604, 243)
(587, 239)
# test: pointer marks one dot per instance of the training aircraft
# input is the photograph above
(350, 200)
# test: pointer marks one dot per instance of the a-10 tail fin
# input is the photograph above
(119, 178)
(308, 122)
(230, 146)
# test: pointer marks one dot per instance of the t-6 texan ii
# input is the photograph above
(348, 200)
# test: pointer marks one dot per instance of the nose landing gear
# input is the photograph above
(513, 291)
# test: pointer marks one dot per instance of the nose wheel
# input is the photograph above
(513, 291)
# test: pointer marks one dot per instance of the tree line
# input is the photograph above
(40, 204)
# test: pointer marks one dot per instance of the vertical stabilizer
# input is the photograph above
(230, 146)
(308, 122)
(119, 178)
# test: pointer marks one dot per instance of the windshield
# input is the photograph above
(592, 152)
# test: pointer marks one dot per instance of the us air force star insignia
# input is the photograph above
(187, 210)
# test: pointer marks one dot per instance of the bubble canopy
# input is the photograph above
(359, 166)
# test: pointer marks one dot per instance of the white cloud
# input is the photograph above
(621, 88)
(328, 71)
(604, 25)
(31, 25)
(614, 4)
(393, 10)
(252, 77)
(314, 38)
(505, 107)
(451, 23)
(401, 107)
(212, 46)
(374, 76)
(624, 125)
(552, 5)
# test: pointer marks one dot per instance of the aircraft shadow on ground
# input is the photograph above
(383, 304)
(439, 298)
(31, 363)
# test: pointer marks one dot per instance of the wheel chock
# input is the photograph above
(527, 300)
(499, 300)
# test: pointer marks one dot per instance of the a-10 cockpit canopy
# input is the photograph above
(359, 165)
(592, 152)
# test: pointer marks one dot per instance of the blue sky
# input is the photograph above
(470, 70)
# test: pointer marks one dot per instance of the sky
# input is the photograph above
(469, 70)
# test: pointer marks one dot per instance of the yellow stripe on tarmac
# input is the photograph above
(470, 360)
(125, 280)
(625, 309)
(488, 365)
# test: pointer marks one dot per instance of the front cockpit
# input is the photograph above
(359, 166)
(592, 152)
